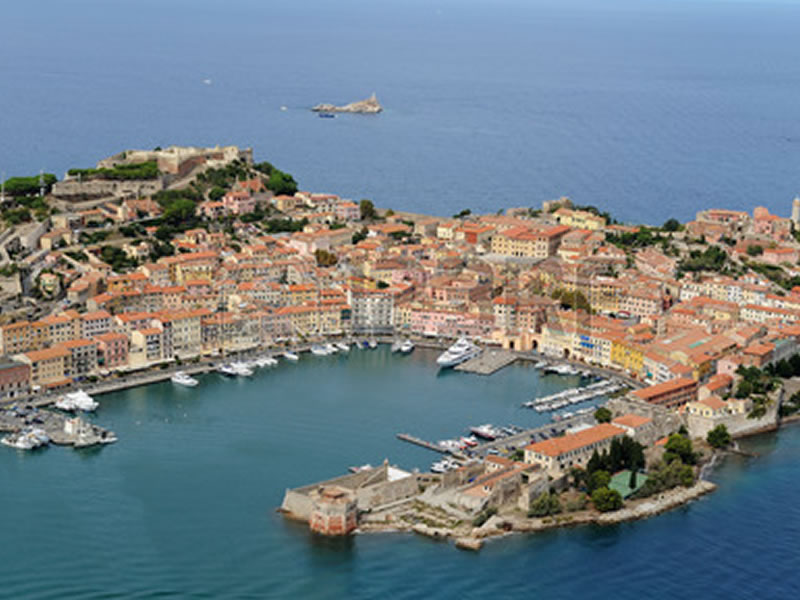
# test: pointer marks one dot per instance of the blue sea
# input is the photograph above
(183, 506)
(647, 108)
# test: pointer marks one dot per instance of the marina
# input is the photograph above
(574, 396)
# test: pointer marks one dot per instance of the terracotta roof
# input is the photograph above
(573, 441)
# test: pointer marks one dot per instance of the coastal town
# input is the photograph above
(162, 264)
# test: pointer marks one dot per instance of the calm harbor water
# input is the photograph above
(183, 506)
(649, 109)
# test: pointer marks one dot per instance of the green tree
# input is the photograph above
(545, 505)
(679, 447)
(598, 479)
(325, 258)
(360, 235)
(719, 437)
(671, 225)
(367, 209)
(282, 184)
(603, 415)
(606, 500)
(744, 389)
(216, 193)
(632, 480)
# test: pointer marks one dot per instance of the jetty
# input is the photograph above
(63, 430)
(420, 442)
(487, 362)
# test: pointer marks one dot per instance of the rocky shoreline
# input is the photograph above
(472, 538)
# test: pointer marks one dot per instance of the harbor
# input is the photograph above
(60, 429)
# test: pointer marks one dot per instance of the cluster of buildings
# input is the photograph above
(550, 281)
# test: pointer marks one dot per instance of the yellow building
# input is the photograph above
(627, 355)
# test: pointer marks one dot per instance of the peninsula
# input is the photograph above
(368, 106)
(155, 261)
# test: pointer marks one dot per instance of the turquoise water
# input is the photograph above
(183, 505)
(647, 108)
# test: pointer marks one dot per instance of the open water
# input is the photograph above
(647, 108)
(183, 505)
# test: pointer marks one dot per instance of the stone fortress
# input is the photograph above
(174, 164)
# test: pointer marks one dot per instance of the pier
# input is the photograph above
(419, 442)
(489, 361)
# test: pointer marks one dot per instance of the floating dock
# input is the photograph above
(489, 361)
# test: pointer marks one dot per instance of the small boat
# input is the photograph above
(469, 441)
(227, 370)
(269, 361)
(331, 349)
(324, 115)
(487, 432)
(284, 108)
(241, 369)
(318, 350)
(540, 364)
(27, 439)
(364, 345)
(182, 378)
(407, 347)
(372, 344)
(450, 445)
(343, 346)
(396, 346)
(291, 356)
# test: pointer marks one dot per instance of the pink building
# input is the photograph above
(112, 350)
(238, 202)
(443, 323)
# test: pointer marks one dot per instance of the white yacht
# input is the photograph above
(242, 369)
(407, 347)
(396, 345)
(79, 400)
(182, 378)
(227, 370)
(343, 346)
(331, 349)
(269, 361)
(450, 445)
(459, 352)
(372, 344)
(318, 350)
(291, 356)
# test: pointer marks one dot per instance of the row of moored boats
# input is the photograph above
(573, 396)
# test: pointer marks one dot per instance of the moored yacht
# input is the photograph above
(242, 369)
(291, 356)
(182, 378)
(331, 349)
(459, 352)
(407, 347)
(343, 346)
(487, 432)
(396, 345)
(318, 350)
(227, 370)
(79, 400)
